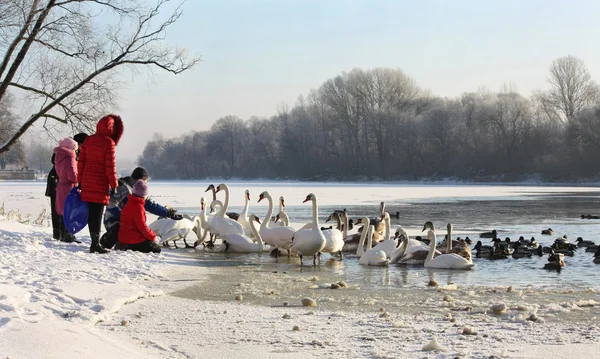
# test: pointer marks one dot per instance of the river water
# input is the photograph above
(512, 210)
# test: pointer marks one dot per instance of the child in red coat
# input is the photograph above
(134, 234)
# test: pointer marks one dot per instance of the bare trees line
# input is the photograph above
(378, 124)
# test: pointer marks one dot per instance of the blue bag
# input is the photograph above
(76, 212)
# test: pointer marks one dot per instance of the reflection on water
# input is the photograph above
(262, 280)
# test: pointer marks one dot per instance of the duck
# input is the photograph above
(482, 251)
(547, 232)
(491, 234)
(373, 256)
(454, 246)
(445, 261)
(582, 243)
(592, 248)
(555, 262)
(589, 216)
(236, 243)
(597, 256)
(309, 242)
(521, 254)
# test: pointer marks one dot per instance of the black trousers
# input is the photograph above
(111, 237)
(95, 213)
(56, 219)
(144, 247)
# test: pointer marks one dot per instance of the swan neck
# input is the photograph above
(315, 212)
(361, 242)
(449, 241)
(265, 223)
(345, 216)
(256, 233)
(223, 209)
(338, 222)
(370, 239)
(246, 206)
(431, 237)
(387, 227)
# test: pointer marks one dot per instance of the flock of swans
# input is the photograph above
(238, 233)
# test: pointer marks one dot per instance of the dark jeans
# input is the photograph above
(111, 237)
(56, 219)
(95, 213)
(144, 247)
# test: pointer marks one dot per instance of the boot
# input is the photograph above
(96, 247)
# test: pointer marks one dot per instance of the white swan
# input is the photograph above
(172, 230)
(224, 225)
(236, 243)
(334, 238)
(281, 215)
(445, 261)
(243, 218)
(360, 247)
(310, 242)
(372, 257)
(387, 245)
(278, 236)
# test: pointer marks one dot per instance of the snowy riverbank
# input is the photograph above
(58, 301)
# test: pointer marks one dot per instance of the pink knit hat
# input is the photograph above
(140, 189)
(68, 143)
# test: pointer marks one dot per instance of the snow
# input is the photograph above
(59, 301)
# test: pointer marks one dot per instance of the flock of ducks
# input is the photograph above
(522, 248)
(373, 244)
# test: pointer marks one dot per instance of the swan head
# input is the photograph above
(428, 225)
(385, 216)
(310, 197)
(253, 217)
(221, 187)
(202, 203)
(449, 227)
(211, 187)
(247, 194)
(282, 201)
(365, 221)
(263, 195)
(400, 232)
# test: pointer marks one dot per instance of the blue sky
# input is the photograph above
(259, 54)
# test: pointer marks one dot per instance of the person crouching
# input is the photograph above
(134, 234)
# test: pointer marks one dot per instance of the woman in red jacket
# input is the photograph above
(97, 174)
(134, 234)
(66, 170)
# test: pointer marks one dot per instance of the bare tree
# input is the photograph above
(572, 88)
(62, 55)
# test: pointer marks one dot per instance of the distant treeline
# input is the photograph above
(378, 124)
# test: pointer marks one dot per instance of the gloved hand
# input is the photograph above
(170, 212)
(112, 192)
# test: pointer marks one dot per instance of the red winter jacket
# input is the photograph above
(133, 228)
(66, 169)
(96, 171)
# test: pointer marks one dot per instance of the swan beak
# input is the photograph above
(248, 196)
(282, 203)
(218, 189)
(395, 235)
(260, 198)
(208, 188)
(306, 200)
(257, 220)
(276, 218)
(424, 228)
(203, 206)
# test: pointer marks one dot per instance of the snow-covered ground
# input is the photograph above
(59, 301)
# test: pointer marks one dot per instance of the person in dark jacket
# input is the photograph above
(112, 215)
(97, 173)
(51, 183)
(134, 233)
